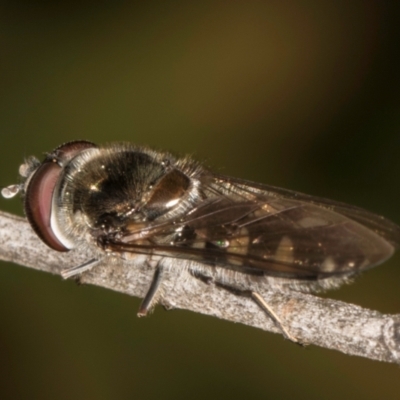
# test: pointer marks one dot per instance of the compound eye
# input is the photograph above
(39, 193)
(38, 203)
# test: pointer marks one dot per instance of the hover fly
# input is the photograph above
(138, 205)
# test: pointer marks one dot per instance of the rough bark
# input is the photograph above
(313, 320)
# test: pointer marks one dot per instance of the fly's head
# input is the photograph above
(81, 192)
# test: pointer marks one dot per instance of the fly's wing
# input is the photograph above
(379, 224)
(269, 232)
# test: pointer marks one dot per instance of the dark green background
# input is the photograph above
(303, 95)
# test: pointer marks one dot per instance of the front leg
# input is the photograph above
(79, 269)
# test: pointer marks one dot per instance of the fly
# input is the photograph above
(135, 205)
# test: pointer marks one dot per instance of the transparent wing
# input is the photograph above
(269, 231)
(379, 224)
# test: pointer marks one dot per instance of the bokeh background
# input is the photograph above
(299, 94)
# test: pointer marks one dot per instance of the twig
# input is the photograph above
(323, 322)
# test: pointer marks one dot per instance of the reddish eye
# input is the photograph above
(39, 193)
(38, 198)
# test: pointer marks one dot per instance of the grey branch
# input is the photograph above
(313, 320)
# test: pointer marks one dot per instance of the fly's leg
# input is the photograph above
(149, 301)
(204, 278)
(77, 270)
(257, 298)
(152, 295)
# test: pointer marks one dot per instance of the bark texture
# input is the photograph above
(327, 323)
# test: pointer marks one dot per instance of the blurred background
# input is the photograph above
(299, 94)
